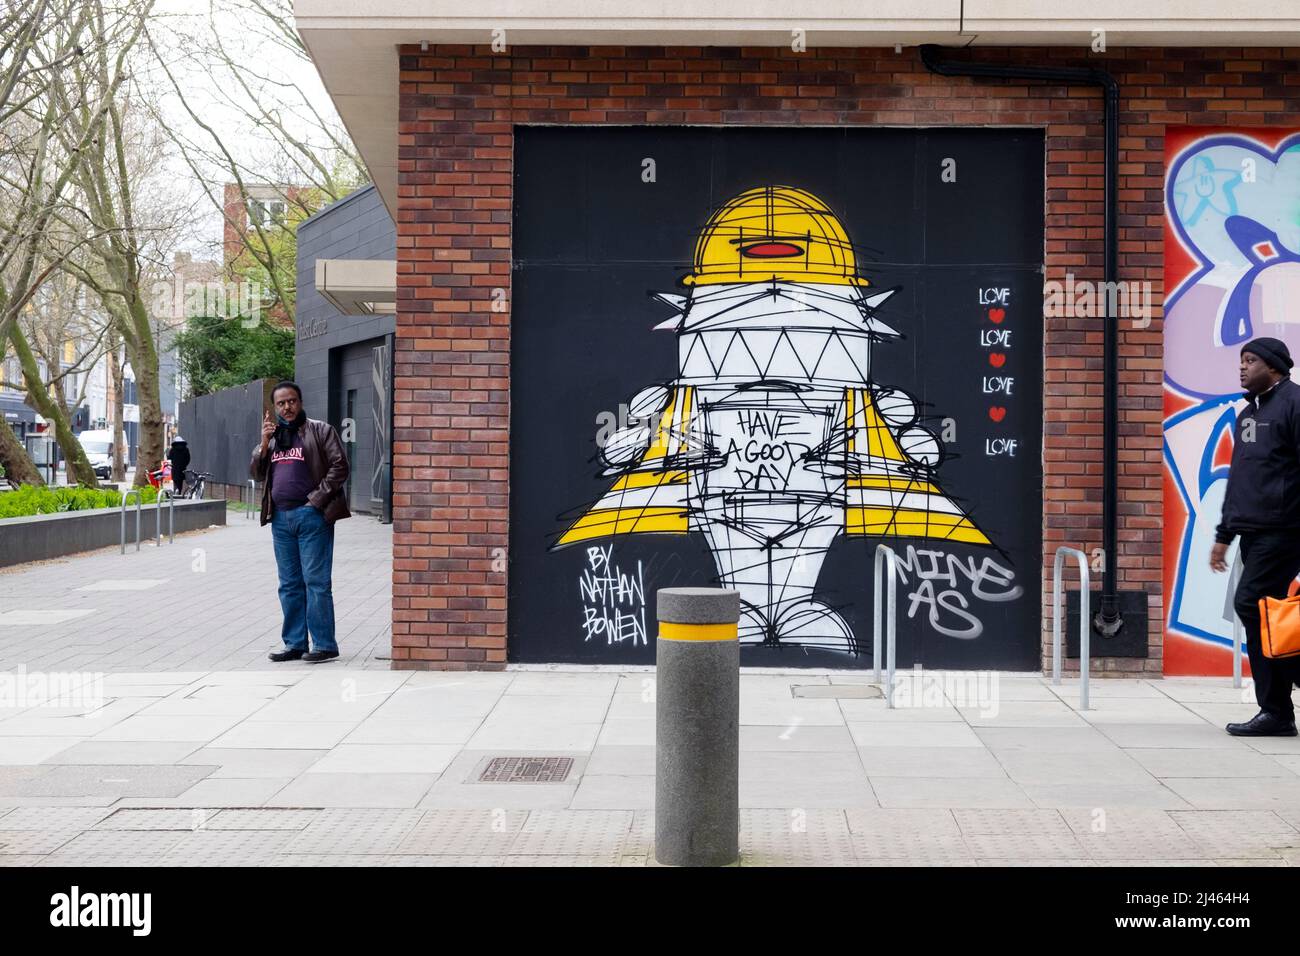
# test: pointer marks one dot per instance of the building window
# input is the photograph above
(265, 213)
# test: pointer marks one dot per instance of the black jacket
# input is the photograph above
(179, 456)
(1264, 479)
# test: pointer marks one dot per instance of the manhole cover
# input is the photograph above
(526, 770)
(837, 691)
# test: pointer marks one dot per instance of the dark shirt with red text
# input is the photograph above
(290, 476)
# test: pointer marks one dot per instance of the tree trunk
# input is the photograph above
(17, 463)
(78, 466)
(115, 384)
(144, 361)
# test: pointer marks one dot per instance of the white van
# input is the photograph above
(98, 446)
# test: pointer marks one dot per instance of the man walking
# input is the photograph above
(1262, 504)
(304, 471)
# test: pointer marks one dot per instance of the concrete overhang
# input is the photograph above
(358, 286)
(354, 45)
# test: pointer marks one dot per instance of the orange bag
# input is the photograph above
(1279, 628)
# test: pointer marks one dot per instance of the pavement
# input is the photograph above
(177, 743)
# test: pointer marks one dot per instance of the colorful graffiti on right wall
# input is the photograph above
(1232, 272)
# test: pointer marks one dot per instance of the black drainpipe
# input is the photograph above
(1108, 620)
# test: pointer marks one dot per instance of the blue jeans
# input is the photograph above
(304, 555)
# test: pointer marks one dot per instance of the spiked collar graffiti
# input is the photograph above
(773, 440)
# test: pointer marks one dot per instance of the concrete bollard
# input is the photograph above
(697, 727)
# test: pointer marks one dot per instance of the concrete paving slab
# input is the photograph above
(463, 832)
(1044, 739)
(96, 751)
(948, 792)
(1164, 736)
(773, 779)
(576, 833)
(1088, 794)
(113, 781)
(284, 735)
(257, 762)
(373, 730)
(1027, 713)
(622, 760)
(1089, 766)
(1210, 762)
(617, 732)
(1237, 834)
(930, 762)
(233, 791)
(169, 728)
(1250, 793)
(386, 758)
(937, 734)
(796, 737)
(347, 790)
(614, 792)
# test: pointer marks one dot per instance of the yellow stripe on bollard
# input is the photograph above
(698, 632)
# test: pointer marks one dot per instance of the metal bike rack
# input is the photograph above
(1238, 632)
(171, 517)
(885, 552)
(126, 496)
(1085, 618)
(252, 498)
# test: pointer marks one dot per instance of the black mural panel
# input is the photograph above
(748, 356)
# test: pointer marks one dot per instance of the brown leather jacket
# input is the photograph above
(323, 451)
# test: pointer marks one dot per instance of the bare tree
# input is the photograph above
(277, 145)
(57, 339)
(107, 186)
(36, 41)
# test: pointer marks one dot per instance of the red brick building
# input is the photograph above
(440, 137)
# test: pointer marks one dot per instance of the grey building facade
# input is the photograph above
(344, 362)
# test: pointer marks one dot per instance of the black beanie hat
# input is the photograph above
(1273, 351)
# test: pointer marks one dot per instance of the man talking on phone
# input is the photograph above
(304, 473)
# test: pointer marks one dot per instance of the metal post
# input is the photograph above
(1238, 632)
(252, 497)
(163, 493)
(1085, 623)
(884, 553)
(697, 727)
(125, 498)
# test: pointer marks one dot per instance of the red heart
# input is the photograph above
(997, 359)
(997, 413)
(997, 315)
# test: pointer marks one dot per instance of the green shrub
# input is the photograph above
(33, 500)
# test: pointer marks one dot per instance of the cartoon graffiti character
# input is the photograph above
(1233, 205)
(773, 438)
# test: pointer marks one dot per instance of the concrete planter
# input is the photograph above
(38, 537)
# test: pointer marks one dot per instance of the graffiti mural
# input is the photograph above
(785, 397)
(1232, 272)
(773, 439)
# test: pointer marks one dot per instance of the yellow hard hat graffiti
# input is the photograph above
(774, 232)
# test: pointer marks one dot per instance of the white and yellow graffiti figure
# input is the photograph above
(772, 439)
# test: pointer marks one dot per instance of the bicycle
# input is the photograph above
(194, 484)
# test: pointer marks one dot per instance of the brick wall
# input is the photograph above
(458, 105)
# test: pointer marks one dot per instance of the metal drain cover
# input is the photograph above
(526, 770)
(838, 691)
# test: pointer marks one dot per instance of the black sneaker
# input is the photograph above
(289, 654)
(315, 657)
(1264, 724)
